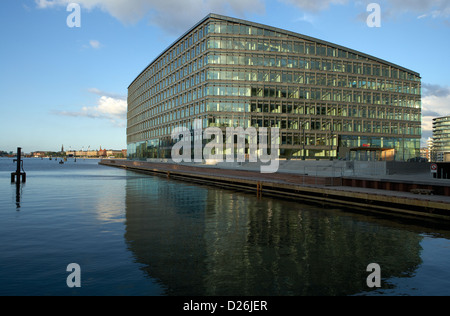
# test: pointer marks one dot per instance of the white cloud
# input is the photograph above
(434, 7)
(95, 44)
(171, 15)
(390, 9)
(435, 103)
(316, 5)
(42, 4)
(435, 90)
(308, 18)
(108, 94)
(109, 107)
(176, 15)
(422, 9)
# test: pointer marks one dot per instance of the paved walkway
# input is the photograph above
(420, 177)
(434, 198)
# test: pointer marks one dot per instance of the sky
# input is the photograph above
(66, 85)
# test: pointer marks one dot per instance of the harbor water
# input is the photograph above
(137, 234)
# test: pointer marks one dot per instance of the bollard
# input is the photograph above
(18, 173)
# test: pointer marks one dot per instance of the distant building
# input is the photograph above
(101, 153)
(82, 153)
(88, 153)
(39, 154)
(114, 153)
(441, 139)
(425, 153)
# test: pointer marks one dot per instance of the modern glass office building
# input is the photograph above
(441, 139)
(327, 100)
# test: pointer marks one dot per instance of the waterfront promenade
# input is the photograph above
(411, 192)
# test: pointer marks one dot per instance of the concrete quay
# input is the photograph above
(409, 192)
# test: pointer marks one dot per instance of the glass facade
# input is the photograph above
(328, 101)
(441, 139)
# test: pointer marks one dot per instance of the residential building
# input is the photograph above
(441, 139)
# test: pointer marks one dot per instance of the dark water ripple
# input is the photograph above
(134, 234)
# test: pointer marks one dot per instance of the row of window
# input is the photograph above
(304, 128)
(289, 45)
(312, 78)
(306, 93)
(290, 93)
(157, 83)
(301, 108)
(165, 100)
(154, 83)
(279, 77)
(323, 109)
(301, 63)
(349, 141)
(152, 119)
(338, 65)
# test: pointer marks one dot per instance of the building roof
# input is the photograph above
(278, 30)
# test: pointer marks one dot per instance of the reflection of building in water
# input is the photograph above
(164, 230)
(205, 241)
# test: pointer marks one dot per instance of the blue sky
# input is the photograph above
(68, 86)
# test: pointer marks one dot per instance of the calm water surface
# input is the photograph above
(134, 234)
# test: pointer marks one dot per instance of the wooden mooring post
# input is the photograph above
(259, 189)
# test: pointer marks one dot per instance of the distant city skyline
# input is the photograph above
(68, 85)
(68, 150)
